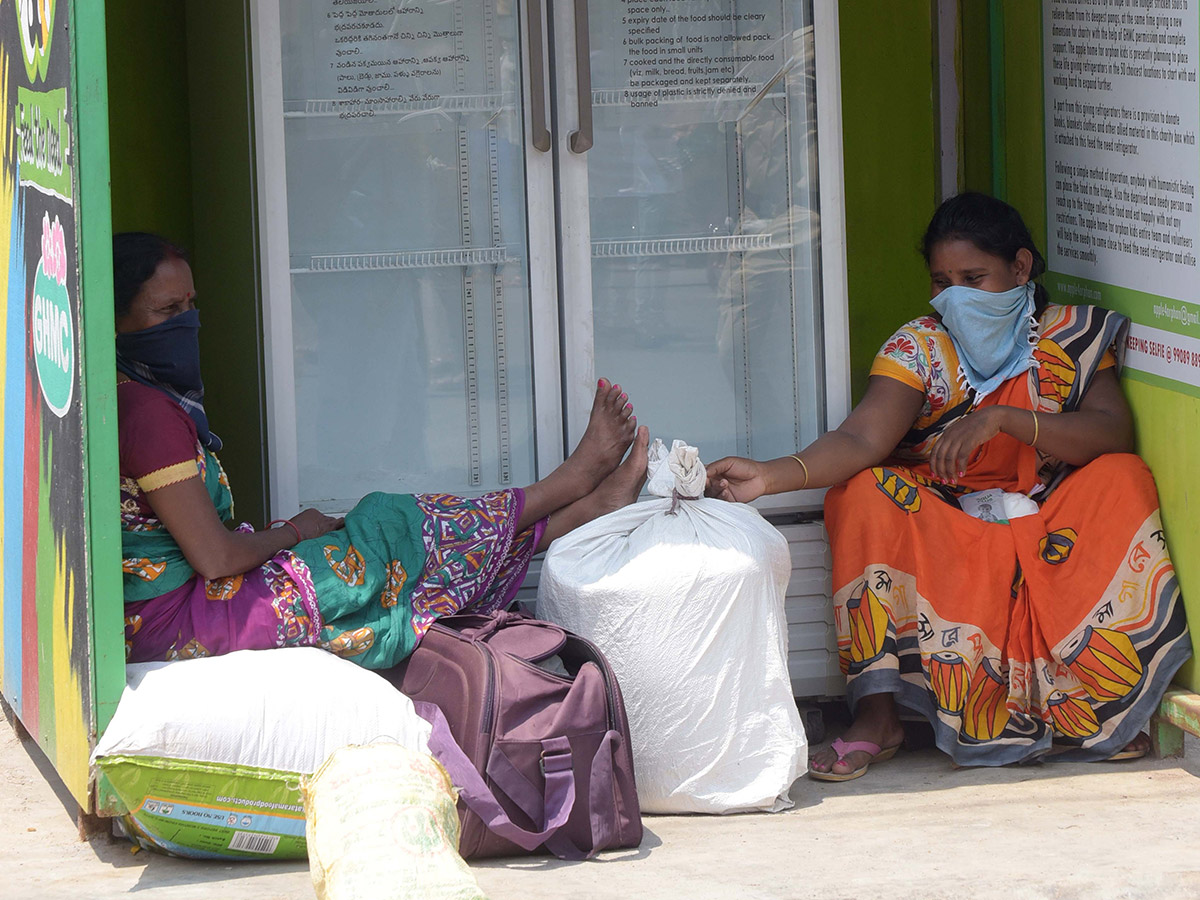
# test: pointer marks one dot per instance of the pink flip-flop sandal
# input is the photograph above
(844, 749)
(1131, 752)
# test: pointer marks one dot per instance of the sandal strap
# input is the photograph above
(844, 748)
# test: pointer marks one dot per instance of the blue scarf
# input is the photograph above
(166, 357)
(993, 333)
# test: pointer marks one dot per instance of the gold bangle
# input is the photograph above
(1033, 442)
(805, 468)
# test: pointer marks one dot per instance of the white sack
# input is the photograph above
(282, 709)
(204, 757)
(688, 608)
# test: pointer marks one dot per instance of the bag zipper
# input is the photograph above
(490, 696)
(489, 703)
(607, 675)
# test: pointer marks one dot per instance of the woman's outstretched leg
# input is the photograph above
(609, 433)
(619, 489)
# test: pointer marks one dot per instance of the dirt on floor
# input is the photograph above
(913, 827)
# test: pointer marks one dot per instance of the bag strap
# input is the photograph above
(601, 805)
(556, 804)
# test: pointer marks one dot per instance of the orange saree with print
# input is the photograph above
(1051, 634)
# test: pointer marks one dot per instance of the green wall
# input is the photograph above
(182, 165)
(1165, 421)
(150, 154)
(890, 167)
(225, 246)
(974, 65)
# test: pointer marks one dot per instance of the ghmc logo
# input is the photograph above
(35, 21)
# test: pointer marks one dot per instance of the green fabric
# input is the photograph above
(364, 575)
(153, 552)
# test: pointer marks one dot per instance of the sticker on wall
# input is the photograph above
(35, 22)
(53, 335)
(44, 141)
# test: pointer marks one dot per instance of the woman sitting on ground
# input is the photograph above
(366, 587)
(1050, 630)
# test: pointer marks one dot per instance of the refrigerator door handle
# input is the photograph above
(581, 140)
(537, 76)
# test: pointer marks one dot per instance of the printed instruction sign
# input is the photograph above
(1122, 113)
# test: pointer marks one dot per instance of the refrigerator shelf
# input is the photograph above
(388, 106)
(742, 92)
(451, 257)
(492, 102)
(725, 243)
(465, 257)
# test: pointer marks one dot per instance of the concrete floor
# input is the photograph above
(912, 828)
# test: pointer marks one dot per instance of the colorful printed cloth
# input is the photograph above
(1052, 634)
(367, 591)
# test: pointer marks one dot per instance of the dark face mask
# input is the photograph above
(167, 357)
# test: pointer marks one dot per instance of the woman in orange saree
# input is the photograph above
(999, 563)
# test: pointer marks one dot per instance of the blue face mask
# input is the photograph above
(993, 333)
(166, 357)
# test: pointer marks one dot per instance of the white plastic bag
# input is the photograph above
(382, 825)
(995, 505)
(685, 598)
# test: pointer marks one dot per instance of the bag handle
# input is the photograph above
(556, 804)
(601, 805)
(514, 633)
(602, 811)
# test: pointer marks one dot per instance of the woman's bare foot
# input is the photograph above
(876, 721)
(626, 481)
(609, 433)
(610, 430)
(619, 489)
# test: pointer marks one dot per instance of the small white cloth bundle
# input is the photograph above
(676, 473)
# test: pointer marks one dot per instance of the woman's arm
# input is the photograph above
(1102, 424)
(213, 550)
(871, 432)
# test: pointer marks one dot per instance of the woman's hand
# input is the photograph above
(952, 451)
(214, 551)
(312, 523)
(735, 479)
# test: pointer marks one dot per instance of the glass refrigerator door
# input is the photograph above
(702, 241)
(399, 319)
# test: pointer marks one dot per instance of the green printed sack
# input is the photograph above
(204, 757)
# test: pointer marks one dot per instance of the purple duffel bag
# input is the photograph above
(542, 761)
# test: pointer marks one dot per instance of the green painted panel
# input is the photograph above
(225, 245)
(106, 603)
(149, 118)
(1025, 150)
(182, 166)
(975, 78)
(889, 148)
(1164, 419)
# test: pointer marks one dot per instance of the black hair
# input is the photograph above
(992, 226)
(136, 256)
